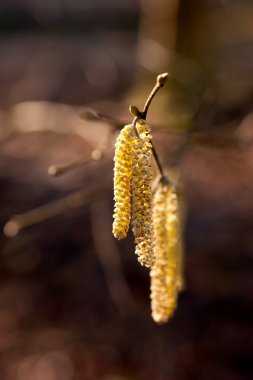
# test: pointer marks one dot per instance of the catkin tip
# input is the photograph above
(145, 253)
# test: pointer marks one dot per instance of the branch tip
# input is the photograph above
(161, 79)
(52, 171)
(11, 228)
(160, 82)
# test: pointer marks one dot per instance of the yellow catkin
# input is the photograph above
(122, 182)
(165, 273)
(180, 259)
(180, 246)
(142, 195)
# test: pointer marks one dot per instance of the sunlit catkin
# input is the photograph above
(164, 274)
(142, 195)
(122, 182)
(180, 282)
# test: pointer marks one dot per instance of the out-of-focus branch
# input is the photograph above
(109, 256)
(97, 154)
(92, 115)
(58, 170)
(48, 211)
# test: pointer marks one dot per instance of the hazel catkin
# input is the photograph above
(142, 224)
(122, 182)
(164, 274)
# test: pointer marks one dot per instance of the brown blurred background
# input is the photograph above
(74, 303)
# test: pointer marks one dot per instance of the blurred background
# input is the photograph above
(74, 303)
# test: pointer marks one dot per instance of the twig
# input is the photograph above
(157, 160)
(57, 170)
(50, 210)
(94, 116)
(109, 257)
(96, 155)
(160, 82)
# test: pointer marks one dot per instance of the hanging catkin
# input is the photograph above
(142, 224)
(180, 283)
(122, 181)
(164, 274)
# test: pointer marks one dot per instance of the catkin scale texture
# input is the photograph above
(142, 224)
(164, 274)
(180, 256)
(122, 182)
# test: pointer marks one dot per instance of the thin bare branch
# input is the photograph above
(92, 115)
(109, 257)
(160, 82)
(48, 211)
(97, 154)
